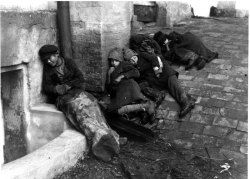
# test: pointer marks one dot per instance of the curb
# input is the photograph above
(50, 160)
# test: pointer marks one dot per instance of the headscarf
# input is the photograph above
(128, 54)
(116, 53)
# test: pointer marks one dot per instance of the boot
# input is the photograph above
(200, 63)
(191, 63)
(186, 106)
(193, 57)
(144, 118)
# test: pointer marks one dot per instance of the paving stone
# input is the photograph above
(239, 79)
(171, 125)
(203, 119)
(214, 153)
(238, 136)
(222, 96)
(224, 66)
(214, 87)
(236, 106)
(228, 144)
(215, 131)
(225, 122)
(197, 109)
(211, 111)
(191, 127)
(218, 76)
(221, 61)
(233, 90)
(237, 157)
(234, 114)
(199, 92)
(192, 84)
(242, 126)
(240, 98)
(215, 103)
(183, 143)
(203, 140)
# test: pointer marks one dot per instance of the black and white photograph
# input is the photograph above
(124, 89)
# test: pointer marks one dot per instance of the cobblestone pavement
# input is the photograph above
(219, 121)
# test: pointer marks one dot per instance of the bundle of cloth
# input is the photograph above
(186, 49)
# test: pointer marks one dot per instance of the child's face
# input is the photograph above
(53, 60)
(134, 60)
(115, 62)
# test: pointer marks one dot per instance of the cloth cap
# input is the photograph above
(128, 54)
(47, 50)
(116, 53)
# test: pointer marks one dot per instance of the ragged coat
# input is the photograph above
(182, 44)
(127, 91)
(145, 65)
(73, 77)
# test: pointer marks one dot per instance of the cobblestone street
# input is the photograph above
(218, 122)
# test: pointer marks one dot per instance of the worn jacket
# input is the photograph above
(145, 65)
(181, 44)
(73, 77)
(127, 91)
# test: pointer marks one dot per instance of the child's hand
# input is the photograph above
(119, 78)
(111, 69)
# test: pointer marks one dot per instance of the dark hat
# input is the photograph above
(128, 54)
(160, 37)
(47, 50)
(116, 53)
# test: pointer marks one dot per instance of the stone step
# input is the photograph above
(46, 123)
(50, 160)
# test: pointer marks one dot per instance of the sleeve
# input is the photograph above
(129, 71)
(153, 59)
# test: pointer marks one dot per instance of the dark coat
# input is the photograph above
(127, 91)
(135, 43)
(145, 65)
(73, 77)
(181, 44)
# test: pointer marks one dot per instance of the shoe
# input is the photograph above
(144, 118)
(160, 97)
(201, 64)
(152, 118)
(186, 108)
(216, 55)
(191, 63)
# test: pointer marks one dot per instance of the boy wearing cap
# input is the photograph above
(64, 83)
(166, 79)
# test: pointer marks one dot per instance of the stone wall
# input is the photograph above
(171, 12)
(23, 32)
(22, 35)
(97, 27)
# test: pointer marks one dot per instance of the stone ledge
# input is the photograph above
(50, 160)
